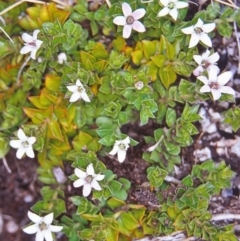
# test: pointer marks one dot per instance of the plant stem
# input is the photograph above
(21, 69)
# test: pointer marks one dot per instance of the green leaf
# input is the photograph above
(149, 49)
(167, 77)
(187, 181)
(170, 117)
(158, 60)
(171, 148)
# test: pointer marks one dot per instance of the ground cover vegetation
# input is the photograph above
(77, 83)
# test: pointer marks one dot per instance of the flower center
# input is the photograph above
(205, 64)
(130, 20)
(80, 89)
(171, 5)
(122, 146)
(42, 226)
(89, 179)
(214, 85)
(198, 30)
(25, 144)
(33, 44)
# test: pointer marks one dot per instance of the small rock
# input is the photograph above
(11, 226)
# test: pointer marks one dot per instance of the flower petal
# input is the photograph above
(194, 40)
(227, 90)
(75, 96)
(198, 71)
(79, 173)
(126, 140)
(163, 12)
(138, 26)
(90, 170)
(31, 229)
(32, 140)
(180, 4)
(121, 155)
(27, 38)
(48, 218)
(205, 89)
(87, 188)
(188, 30)
(216, 94)
(38, 44)
(20, 152)
(39, 236)
(164, 2)
(204, 38)
(127, 10)
(26, 49)
(119, 20)
(205, 55)
(139, 13)
(79, 183)
(99, 177)
(213, 58)
(223, 78)
(21, 135)
(54, 228)
(213, 68)
(127, 29)
(34, 217)
(95, 185)
(79, 84)
(174, 13)
(114, 150)
(72, 88)
(209, 27)
(30, 152)
(35, 33)
(84, 96)
(33, 53)
(15, 143)
(199, 23)
(48, 235)
(203, 79)
(198, 59)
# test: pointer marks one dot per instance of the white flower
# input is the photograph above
(130, 20)
(171, 7)
(32, 44)
(206, 62)
(88, 180)
(78, 92)
(215, 84)
(120, 148)
(199, 32)
(42, 226)
(24, 144)
(62, 57)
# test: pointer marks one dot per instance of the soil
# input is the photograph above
(20, 189)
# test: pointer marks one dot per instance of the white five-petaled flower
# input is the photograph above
(24, 144)
(32, 44)
(206, 62)
(88, 180)
(171, 7)
(130, 20)
(199, 32)
(120, 148)
(78, 92)
(62, 57)
(215, 84)
(42, 227)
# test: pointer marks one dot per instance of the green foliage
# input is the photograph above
(145, 80)
(232, 118)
